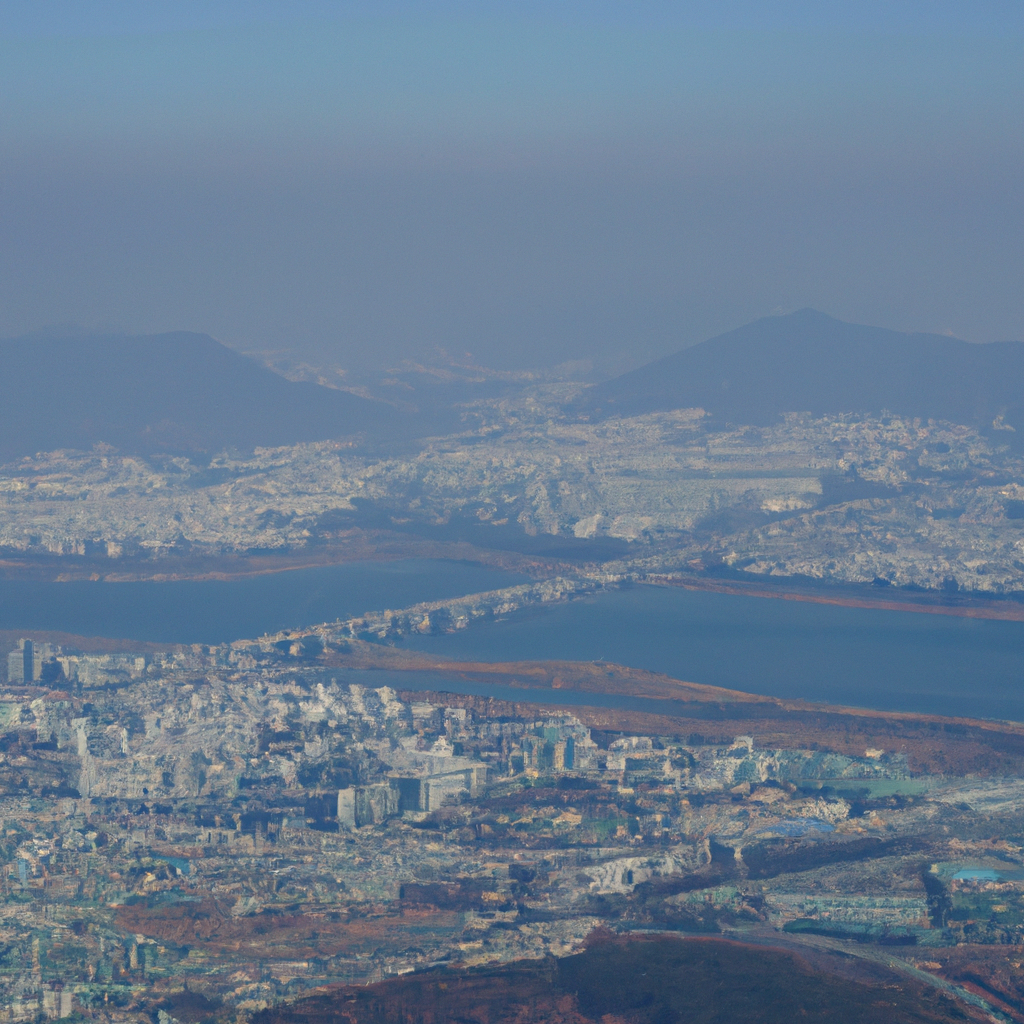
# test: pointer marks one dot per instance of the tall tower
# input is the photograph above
(16, 666)
(25, 662)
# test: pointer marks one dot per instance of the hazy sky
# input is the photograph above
(529, 182)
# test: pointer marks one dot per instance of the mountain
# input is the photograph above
(810, 362)
(176, 393)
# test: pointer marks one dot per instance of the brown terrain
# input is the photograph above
(933, 744)
(86, 644)
(633, 980)
(290, 936)
(995, 973)
(969, 606)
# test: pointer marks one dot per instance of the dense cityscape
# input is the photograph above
(900, 503)
(208, 831)
(511, 513)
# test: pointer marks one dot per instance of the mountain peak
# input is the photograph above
(808, 361)
(178, 392)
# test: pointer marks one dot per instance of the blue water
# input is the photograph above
(891, 660)
(905, 661)
(218, 611)
(183, 865)
(977, 875)
(960, 872)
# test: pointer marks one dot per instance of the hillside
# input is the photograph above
(810, 362)
(175, 393)
(637, 980)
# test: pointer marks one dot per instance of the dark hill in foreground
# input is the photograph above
(810, 362)
(180, 393)
(636, 980)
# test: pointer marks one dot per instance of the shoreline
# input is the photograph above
(546, 676)
(361, 548)
(385, 547)
(847, 596)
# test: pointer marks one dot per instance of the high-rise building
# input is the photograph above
(25, 662)
(16, 663)
(16, 666)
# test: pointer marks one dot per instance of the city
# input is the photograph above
(213, 830)
(853, 500)
(511, 513)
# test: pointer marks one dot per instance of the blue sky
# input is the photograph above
(529, 182)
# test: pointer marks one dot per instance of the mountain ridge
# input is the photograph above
(808, 361)
(177, 393)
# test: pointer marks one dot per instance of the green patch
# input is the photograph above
(986, 907)
(809, 926)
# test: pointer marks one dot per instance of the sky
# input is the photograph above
(530, 183)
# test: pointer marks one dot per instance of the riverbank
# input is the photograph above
(971, 606)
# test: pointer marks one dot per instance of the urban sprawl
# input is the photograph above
(246, 822)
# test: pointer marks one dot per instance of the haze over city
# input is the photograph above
(511, 513)
(362, 183)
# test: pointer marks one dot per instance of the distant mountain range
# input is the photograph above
(175, 393)
(810, 362)
(186, 393)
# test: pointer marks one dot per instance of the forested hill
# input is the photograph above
(177, 392)
(810, 362)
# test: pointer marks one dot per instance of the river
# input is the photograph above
(878, 658)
